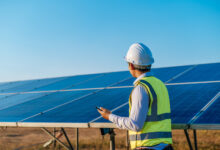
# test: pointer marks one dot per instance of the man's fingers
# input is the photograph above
(100, 111)
(104, 110)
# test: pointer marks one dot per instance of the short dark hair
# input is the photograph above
(142, 68)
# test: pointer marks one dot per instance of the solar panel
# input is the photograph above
(70, 101)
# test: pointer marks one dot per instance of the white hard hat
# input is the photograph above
(139, 54)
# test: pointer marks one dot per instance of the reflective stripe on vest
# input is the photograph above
(151, 135)
(157, 127)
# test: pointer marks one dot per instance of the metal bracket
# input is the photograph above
(112, 139)
(127, 140)
(195, 139)
(188, 139)
(61, 143)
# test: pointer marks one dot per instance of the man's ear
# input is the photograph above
(132, 66)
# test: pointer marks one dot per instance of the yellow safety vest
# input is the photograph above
(157, 126)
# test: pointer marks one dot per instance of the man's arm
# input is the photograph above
(138, 112)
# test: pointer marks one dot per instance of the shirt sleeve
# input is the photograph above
(138, 112)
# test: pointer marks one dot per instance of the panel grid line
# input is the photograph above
(16, 93)
(111, 87)
(194, 118)
(180, 74)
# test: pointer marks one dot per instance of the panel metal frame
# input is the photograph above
(53, 125)
(100, 125)
(205, 126)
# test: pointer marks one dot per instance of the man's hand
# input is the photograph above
(105, 113)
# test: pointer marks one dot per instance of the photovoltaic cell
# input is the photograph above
(203, 72)
(12, 100)
(164, 74)
(188, 100)
(9, 85)
(68, 82)
(30, 85)
(211, 115)
(167, 73)
(108, 79)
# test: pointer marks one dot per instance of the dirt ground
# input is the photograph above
(91, 139)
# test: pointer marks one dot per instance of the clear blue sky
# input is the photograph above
(50, 38)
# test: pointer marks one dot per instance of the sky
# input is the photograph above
(53, 38)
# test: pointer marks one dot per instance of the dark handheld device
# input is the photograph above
(98, 108)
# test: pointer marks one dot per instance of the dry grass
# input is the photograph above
(91, 139)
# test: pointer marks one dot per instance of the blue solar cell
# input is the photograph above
(164, 74)
(32, 107)
(29, 85)
(203, 72)
(211, 115)
(188, 100)
(8, 85)
(84, 110)
(2, 96)
(68, 82)
(12, 100)
(108, 79)
(128, 82)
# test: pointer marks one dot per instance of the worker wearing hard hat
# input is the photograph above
(149, 122)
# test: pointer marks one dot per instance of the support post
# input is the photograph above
(188, 139)
(77, 139)
(50, 134)
(127, 140)
(112, 139)
(54, 140)
(71, 147)
(195, 139)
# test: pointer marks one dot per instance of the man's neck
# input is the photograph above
(138, 73)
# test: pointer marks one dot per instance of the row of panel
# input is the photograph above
(190, 73)
(93, 80)
(79, 106)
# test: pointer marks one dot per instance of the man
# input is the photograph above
(149, 122)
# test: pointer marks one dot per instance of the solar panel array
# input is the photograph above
(70, 101)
